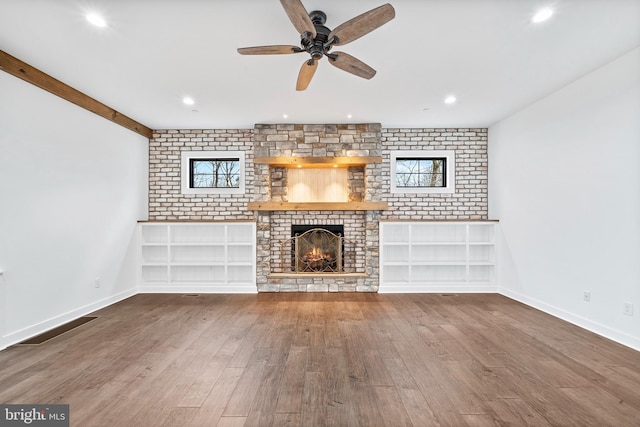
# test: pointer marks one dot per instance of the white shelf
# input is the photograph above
(435, 255)
(197, 245)
(210, 255)
(220, 244)
(198, 263)
(439, 243)
(439, 263)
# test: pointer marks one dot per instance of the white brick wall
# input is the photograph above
(165, 199)
(470, 198)
(468, 202)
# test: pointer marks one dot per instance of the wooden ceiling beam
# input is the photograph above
(32, 75)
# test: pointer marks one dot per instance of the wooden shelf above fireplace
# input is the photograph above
(320, 206)
(317, 162)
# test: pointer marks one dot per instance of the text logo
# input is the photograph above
(34, 415)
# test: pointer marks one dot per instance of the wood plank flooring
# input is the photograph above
(328, 360)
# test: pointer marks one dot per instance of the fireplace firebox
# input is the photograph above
(317, 248)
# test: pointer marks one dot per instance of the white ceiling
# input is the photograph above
(155, 52)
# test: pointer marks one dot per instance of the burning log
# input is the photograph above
(317, 260)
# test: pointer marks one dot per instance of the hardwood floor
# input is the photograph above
(327, 359)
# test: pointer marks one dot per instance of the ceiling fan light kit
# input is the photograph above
(317, 40)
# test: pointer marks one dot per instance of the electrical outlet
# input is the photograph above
(586, 296)
(97, 282)
(627, 308)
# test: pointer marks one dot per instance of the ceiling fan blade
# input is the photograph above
(299, 16)
(352, 65)
(269, 50)
(306, 74)
(362, 24)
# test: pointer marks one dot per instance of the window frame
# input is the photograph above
(186, 178)
(449, 168)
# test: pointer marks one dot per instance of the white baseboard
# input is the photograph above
(33, 330)
(425, 289)
(604, 331)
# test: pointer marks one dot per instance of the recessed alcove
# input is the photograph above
(317, 183)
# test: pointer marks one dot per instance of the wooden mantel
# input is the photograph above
(321, 162)
(317, 206)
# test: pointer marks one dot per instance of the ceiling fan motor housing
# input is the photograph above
(318, 47)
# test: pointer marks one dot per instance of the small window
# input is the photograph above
(423, 171)
(215, 173)
(212, 172)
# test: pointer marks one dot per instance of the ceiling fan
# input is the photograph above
(317, 40)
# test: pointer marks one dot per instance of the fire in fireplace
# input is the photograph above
(317, 248)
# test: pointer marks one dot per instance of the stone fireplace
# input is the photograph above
(315, 249)
(344, 156)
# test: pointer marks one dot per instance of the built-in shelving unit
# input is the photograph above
(197, 257)
(438, 256)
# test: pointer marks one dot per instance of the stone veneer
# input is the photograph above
(365, 183)
(371, 183)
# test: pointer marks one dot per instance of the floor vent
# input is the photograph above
(46, 336)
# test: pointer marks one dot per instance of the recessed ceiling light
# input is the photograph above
(188, 101)
(450, 99)
(96, 20)
(349, 116)
(542, 15)
(285, 116)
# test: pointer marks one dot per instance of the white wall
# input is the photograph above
(72, 186)
(564, 180)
